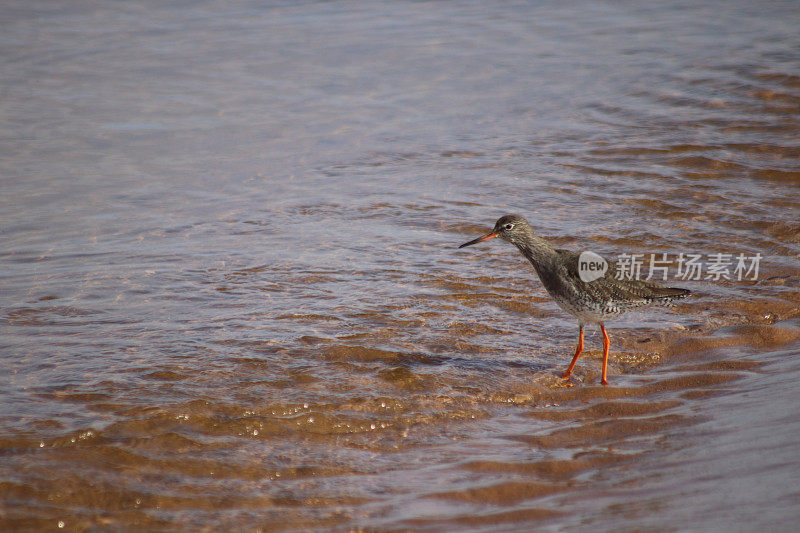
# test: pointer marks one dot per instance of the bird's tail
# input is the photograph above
(667, 295)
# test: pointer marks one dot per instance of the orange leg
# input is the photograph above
(577, 354)
(606, 345)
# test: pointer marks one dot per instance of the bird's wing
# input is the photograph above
(610, 289)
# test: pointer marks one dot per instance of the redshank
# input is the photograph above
(592, 301)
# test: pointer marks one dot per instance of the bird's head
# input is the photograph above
(511, 228)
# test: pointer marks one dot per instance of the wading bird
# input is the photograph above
(590, 302)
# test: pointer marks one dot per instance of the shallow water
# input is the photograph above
(232, 298)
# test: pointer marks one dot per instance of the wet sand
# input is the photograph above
(231, 299)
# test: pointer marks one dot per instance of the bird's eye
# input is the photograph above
(509, 226)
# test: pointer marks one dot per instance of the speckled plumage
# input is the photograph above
(590, 302)
(603, 298)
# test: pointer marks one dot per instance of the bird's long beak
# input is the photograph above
(490, 235)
